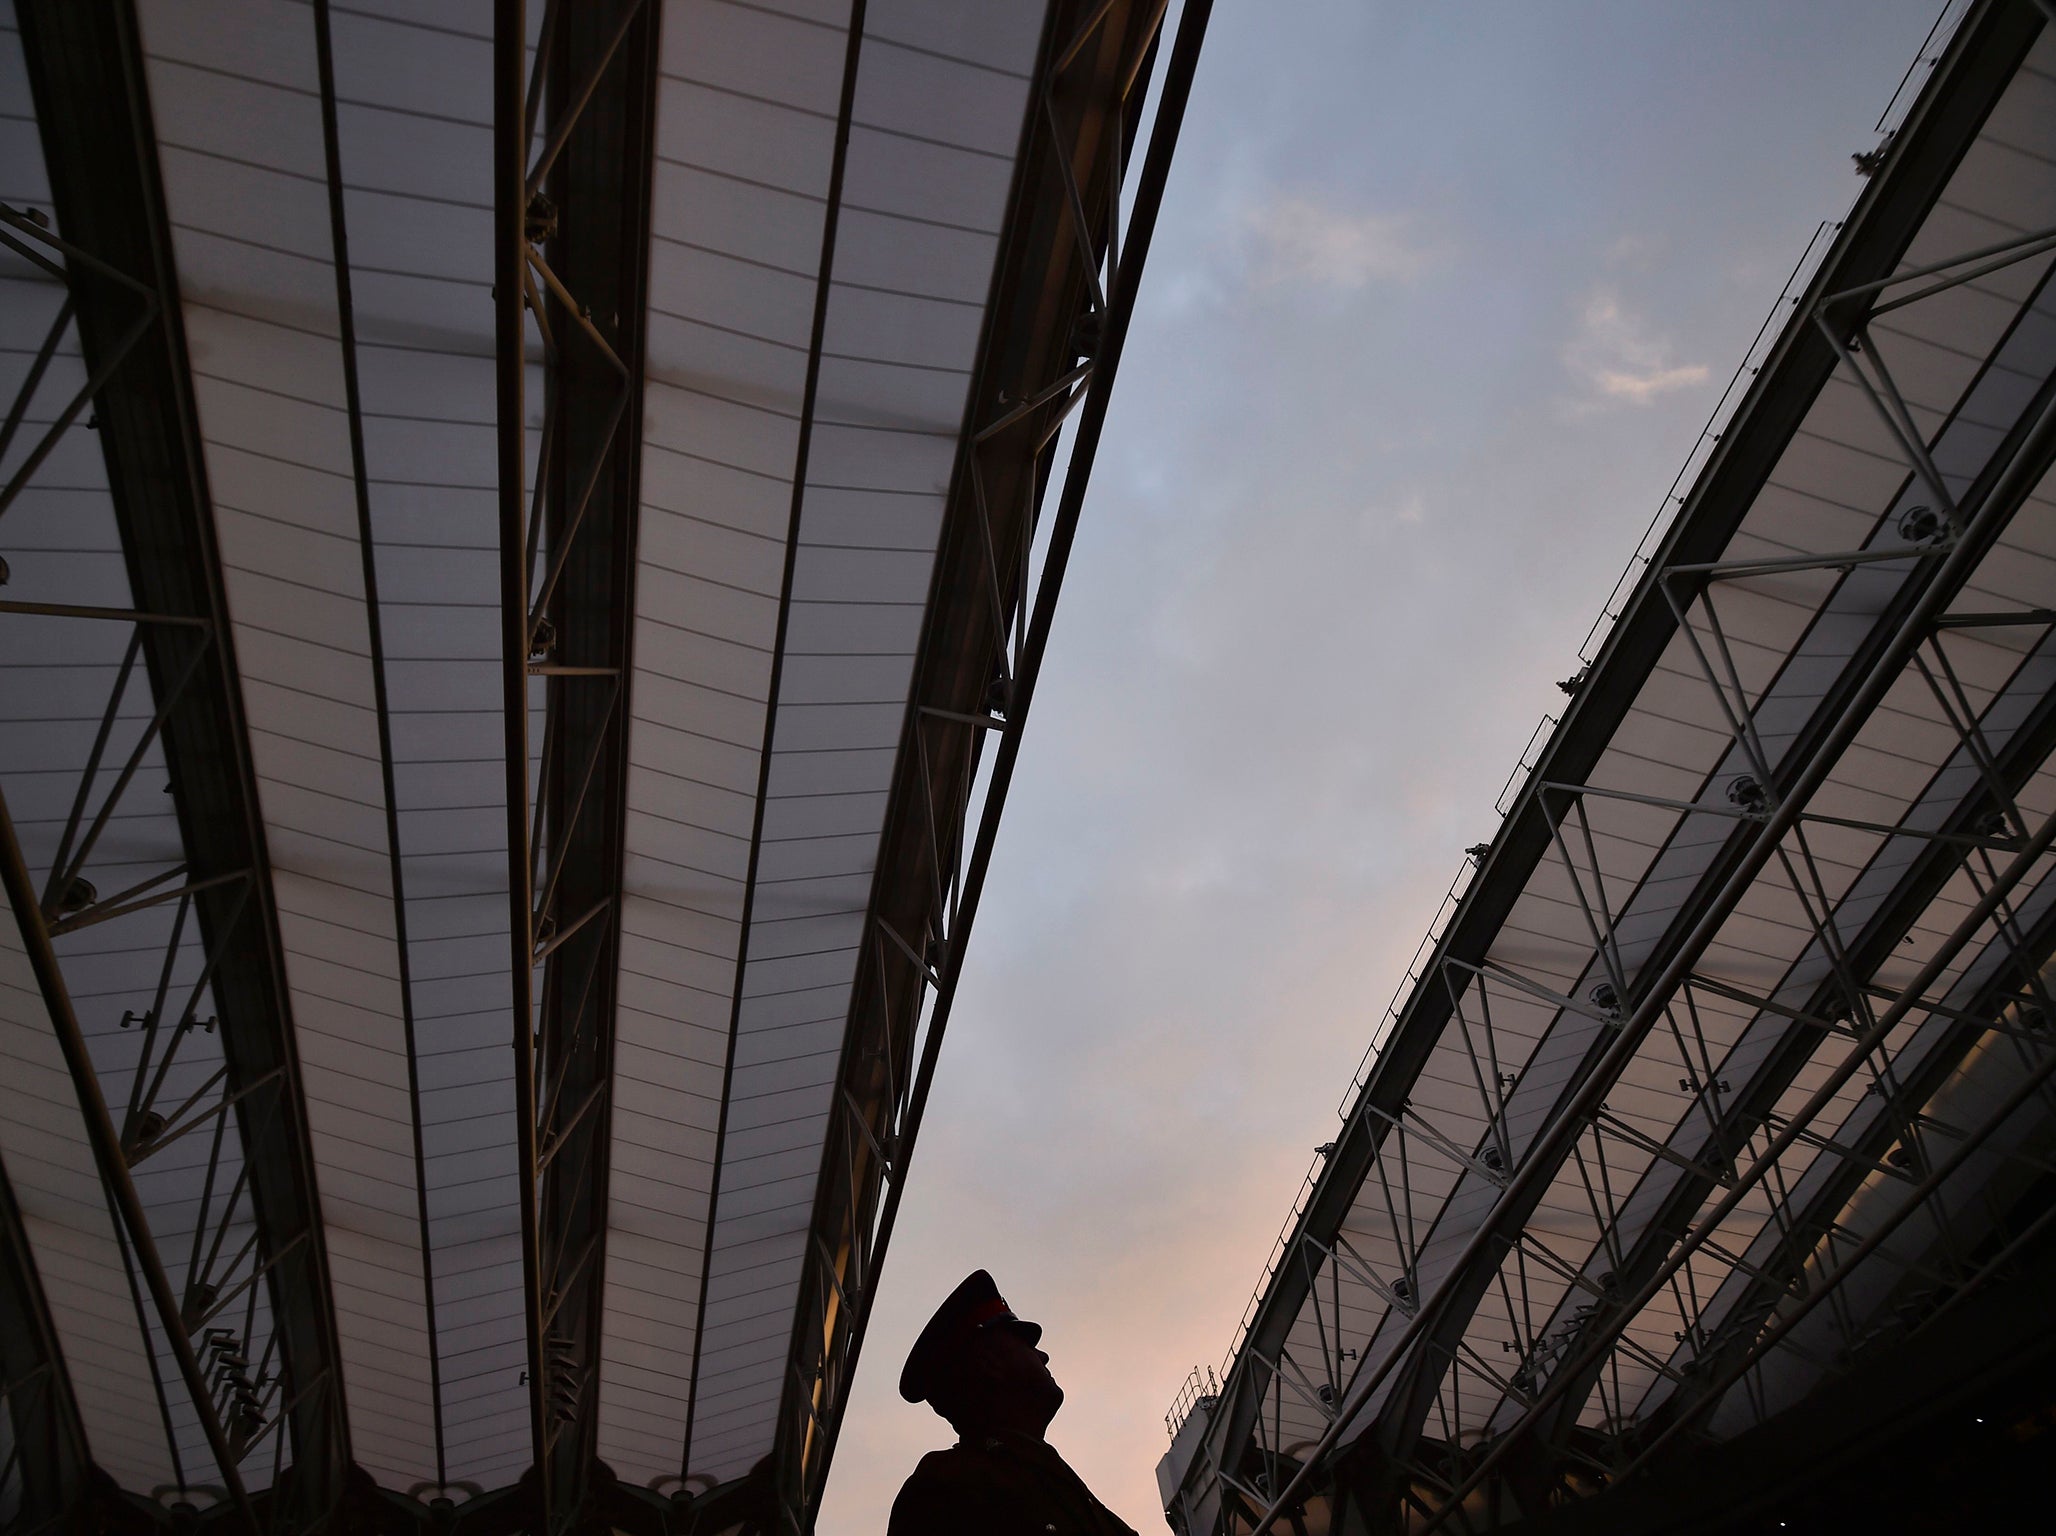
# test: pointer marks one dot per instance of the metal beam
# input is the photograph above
(86, 74)
(46, 1464)
(1055, 328)
(1980, 61)
(1749, 1108)
(510, 337)
(1873, 670)
(113, 1163)
(1737, 1347)
(2031, 1085)
(572, 250)
(2006, 479)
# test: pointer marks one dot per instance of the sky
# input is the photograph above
(1440, 299)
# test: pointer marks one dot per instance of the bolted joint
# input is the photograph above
(199, 1297)
(998, 694)
(1087, 331)
(148, 1127)
(78, 894)
(1746, 793)
(1922, 525)
(1998, 826)
(539, 222)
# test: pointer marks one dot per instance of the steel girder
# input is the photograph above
(85, 70)
(1441, 1323)
(1063, 294)
(1988, 822)
(1740, 1115)
(1981, 60)
(1938, 1432)
(572, 244)
(44, 1465)
(572, 247)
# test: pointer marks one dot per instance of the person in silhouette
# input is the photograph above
(977, 1365)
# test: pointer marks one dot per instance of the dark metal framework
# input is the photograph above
(571, 254)
(1380, 1451)
(573, 155)
(43, 1465)
(263, 1380)
(1063, 294)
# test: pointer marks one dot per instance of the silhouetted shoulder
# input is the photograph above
(985, 1489)
(946, 1493)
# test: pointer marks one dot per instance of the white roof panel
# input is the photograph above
(799, 431)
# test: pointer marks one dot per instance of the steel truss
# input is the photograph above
(1570, 1355)
(43, 1465)
(1580, 1351)
(1063, 297)
(1245, 1476)
(571, 249)
(242, 1305)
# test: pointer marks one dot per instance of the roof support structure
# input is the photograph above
(2008, 478)
(1843, 1004)
(43, 1470)
(1754, 1332)
(1064, 293)
(194, 1097)
(1923, 154)
(229, 1435)
(1431, 1339)
(572, 242)
(85, 68)
(1523, 1470)
(1762, 828)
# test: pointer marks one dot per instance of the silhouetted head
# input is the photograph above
(977, 1364)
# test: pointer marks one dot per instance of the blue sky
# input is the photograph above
(1441, 296)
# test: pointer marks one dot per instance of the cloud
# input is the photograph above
(1298, 240)
(1616, 357)
(1635, 251)
(1381, 517)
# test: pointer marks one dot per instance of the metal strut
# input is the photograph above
(245, 1312)
(973, 696)
(1771, 825)
(571, 252)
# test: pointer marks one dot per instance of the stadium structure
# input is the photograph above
(529, 534)
(1702, 1177)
